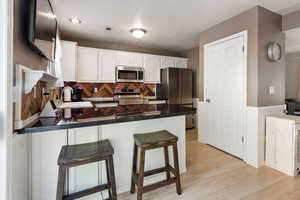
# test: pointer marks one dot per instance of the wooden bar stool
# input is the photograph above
(76, 155)
(147, 141)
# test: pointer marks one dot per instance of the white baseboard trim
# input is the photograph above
(256, 131)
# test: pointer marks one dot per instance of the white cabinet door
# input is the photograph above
(284, 146)
(68, 62)
(130, 59)
(167, 61)
(45, 150)
(107, 65)
(224, 93)
(85, 176)
(152, 68)
(87, 64)
(181, 62)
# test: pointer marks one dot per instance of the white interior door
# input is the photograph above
(225, 93)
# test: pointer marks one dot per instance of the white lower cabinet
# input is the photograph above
(282, 143)
(45, 150)
(85, 176)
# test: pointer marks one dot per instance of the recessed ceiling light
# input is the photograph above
(138, 32)
(75, 20)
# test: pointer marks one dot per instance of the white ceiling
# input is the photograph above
(293, 40)
(171, 24)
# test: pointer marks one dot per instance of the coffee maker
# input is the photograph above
(77, 94)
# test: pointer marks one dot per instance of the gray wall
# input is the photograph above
(291, 21)
(22, 53)
(193, 63)
(292, 74)
(263, 26)
(245, 21)
(270, 73)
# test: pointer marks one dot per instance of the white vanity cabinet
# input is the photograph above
(45, 149)
(69, 60)
(87, 64)
(152, 68)
(107, 66)
(282, 143)
(85, 176)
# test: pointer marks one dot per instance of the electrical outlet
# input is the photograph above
(271, 90)
(95, 90)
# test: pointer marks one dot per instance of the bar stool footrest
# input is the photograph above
(86, 192)
(159, 184)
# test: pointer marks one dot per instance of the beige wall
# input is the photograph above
(122, 47)
(22, 53)
(292, 74)
(291, 21)
(245, 21)
(263, 26)
(270, 73)
(193, 63)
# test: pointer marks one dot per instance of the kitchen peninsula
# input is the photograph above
(118, 124)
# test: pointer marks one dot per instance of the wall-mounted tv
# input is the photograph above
(42, 28)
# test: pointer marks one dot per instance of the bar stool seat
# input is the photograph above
(80, 154)
(147, 141)
(73, 154)
(154, 138)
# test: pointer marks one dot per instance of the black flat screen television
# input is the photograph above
(42, 28)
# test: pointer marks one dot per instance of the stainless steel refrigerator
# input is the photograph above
(177, 87)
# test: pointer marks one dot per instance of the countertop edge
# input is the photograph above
(98, 123)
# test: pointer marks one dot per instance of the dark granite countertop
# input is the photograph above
(82, 117)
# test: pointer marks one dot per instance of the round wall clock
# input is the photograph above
(274, 51)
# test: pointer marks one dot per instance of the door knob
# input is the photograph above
(207, 100)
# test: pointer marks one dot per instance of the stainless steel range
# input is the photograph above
(128, 96)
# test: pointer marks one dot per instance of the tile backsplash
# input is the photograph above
(34, 101)
(107, 89)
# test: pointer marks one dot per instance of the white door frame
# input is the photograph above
(245, 36)
(6, 71)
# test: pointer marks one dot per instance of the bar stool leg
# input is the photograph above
(166, 152)
(134, 164)
(108, 177)
(112, 178)
(176, 166)
(140, 181)
(61, 183)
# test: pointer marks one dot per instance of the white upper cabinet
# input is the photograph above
(87, 64)
(181, 62)
(107, 65)
(152, 68)
(129, 59)
(69, 59)
(167, 61)
(84, 64)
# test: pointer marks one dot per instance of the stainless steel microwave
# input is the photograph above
(129, 74)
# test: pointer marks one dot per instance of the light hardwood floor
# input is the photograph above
(213, 174)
